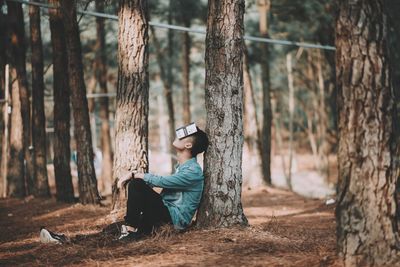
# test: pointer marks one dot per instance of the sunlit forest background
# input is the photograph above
(307, 160)
(315, 100)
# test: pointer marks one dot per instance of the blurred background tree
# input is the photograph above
(176, 90)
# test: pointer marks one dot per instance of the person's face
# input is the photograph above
(181, 144)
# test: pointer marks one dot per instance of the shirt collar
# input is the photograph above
(189, 161)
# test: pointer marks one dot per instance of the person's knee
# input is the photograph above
(136, 184)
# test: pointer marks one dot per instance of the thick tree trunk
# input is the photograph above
(168, 95)
(19, 135)
(131, 118)
(16, 18)
(393, 9)
(252, 140)
(101, 74)
(62, 152)
(38, 117)
(264, 7)
(186, 75)
(15, 162)
(367, 230)
(88, 193)
(3, 107)
(221, 205)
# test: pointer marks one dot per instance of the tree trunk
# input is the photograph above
(186, 75)
(92, 84)
(221, 205)
(393, 9)
(170, 80)
(62, 152)
(15, 162)
(278, 136)
(88, 193)
(291, 115)
(101, 73)
(19, 133)
(367, 232)
(164, 142)
(317, 113)
(323, 123)
(38, 117)
(131, 118)
(168, 95)
(15, 16)
(252, 140)
(6, 139)
(264, 7)
(3, 107)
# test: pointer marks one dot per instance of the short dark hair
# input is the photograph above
(200, 142)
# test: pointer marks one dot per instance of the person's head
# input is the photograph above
(195, 143)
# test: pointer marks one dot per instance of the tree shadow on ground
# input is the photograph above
(305, 237)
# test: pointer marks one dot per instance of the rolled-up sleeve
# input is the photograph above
(181, 180)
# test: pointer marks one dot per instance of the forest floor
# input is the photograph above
(285, 230)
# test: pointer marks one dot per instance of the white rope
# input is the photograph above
(98, 95)
(186, 29)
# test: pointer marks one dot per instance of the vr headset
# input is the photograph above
(186, 130)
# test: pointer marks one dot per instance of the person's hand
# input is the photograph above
(124, 179)
(139, 175)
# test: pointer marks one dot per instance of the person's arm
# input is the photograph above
(183, 179)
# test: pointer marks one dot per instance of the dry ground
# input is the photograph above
(286, 230)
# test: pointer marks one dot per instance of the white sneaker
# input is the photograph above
(124, 232)
(47, 236)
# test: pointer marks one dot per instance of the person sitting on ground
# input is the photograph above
(146, 209)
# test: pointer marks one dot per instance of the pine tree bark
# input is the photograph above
(131, 118)
(62, 112)
(3, 107)
(367, 231)
(264, 7)
(41, 182)
(221, 205)
(101, 74)
(252, 138)
(20, 117)
(393, 9)
(15, 162)
(88, 193)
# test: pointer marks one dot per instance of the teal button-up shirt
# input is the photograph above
(181, 191)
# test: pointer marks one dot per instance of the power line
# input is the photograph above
(186, 29)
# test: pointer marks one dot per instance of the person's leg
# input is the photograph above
(145, 208)
(134, 205)
(155, 214)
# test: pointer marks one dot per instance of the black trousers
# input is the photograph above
(145, 209)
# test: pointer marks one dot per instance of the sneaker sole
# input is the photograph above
(45, 237)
